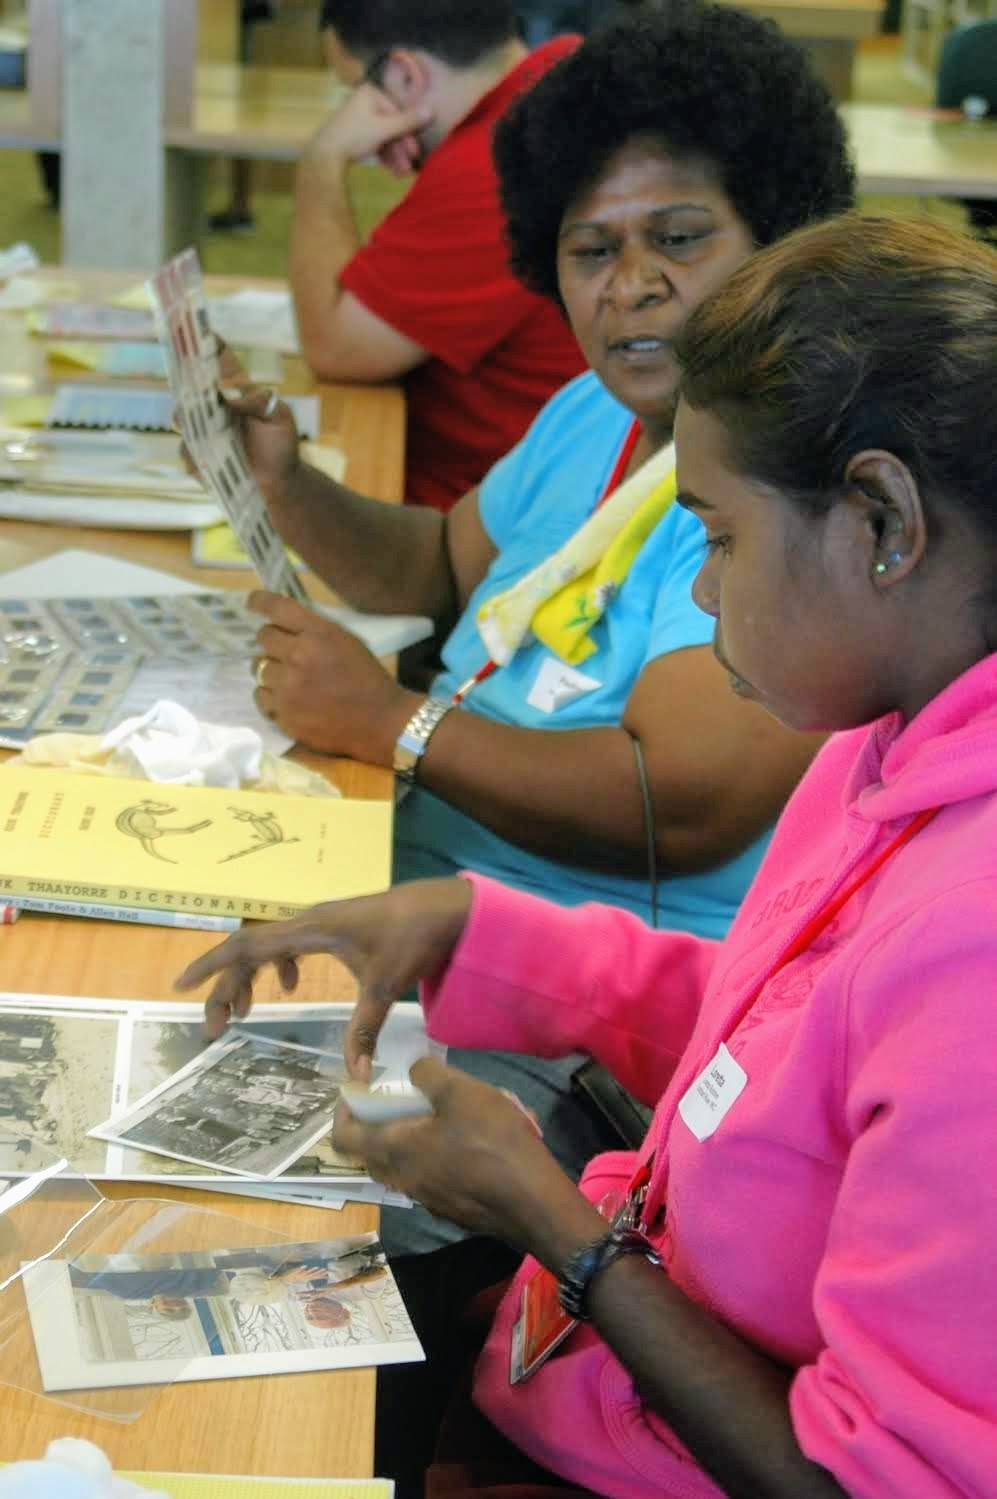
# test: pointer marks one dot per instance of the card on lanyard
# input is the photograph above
(543, 1324)
(541, 1327)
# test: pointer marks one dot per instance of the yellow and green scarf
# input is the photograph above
(564, 597)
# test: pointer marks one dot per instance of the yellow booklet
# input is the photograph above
(209, 1486)
(186, 848)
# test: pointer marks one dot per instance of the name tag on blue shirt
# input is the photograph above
(556, 684)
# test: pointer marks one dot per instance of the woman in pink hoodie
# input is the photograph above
(807, 1303)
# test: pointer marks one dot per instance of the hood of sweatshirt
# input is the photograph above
(946, 754)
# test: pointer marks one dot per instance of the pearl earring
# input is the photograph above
(891, 561)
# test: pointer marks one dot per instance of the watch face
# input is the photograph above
(404, 762)
(582, 1269)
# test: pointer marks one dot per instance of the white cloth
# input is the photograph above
(70, 1469)
(170, 745)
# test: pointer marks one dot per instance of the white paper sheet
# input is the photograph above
(257, 319)
(131, 514)
(58, 576)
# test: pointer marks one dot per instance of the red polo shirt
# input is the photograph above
(437, 270)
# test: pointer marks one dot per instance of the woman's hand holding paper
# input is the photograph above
(477, 1160)
(266, 426)
(323, 687)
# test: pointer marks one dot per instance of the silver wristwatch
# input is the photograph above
(410, 746)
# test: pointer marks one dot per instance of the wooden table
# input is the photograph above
(933, 153)
(270, 113)
(898, 148)
(265, 113)
(296, 1425)
(828, 29)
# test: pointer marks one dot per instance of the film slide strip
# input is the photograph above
(177, 292)
(76, 664)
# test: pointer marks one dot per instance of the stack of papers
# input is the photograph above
(126, 479)
(131, 1091)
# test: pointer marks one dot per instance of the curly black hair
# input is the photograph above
(711, 84)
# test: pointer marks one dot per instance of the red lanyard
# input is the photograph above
(615, 479)
(823, 918)
(804, 939)
(620, 466)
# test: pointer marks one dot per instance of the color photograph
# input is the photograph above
(274, 1308)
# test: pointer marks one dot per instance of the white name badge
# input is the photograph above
(716, 1089)
(557, 684)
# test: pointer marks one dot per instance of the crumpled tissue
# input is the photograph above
(70, 1469)
(169, 745)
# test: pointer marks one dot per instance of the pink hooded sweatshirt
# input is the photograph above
(843, 1216)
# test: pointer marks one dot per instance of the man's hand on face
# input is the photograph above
(371, 124)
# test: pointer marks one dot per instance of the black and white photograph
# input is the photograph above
(55, 1071)
(131, 1049)
(247, 1106)
(160, 1049)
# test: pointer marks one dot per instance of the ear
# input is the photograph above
(408, 77)
(887, 495)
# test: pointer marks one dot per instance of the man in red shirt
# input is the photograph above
(431, 296)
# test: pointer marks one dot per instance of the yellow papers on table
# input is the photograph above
(209, 1486)
(135, 360)
(186, 848)
(134, 296)
(218, 546)
(25, 411)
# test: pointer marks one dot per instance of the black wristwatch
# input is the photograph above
(586, 1263)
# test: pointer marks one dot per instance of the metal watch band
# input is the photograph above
(585, 1264)
(410, 746)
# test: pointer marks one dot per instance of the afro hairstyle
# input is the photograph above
(713, 85)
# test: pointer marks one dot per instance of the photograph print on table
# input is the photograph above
(246, 1106)
(277, 1308)
(53, 1067)
(49, 1099)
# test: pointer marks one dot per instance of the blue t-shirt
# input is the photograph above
(531, 503)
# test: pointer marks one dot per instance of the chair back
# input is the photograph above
(967, 67)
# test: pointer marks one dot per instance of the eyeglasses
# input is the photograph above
(373, 72)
